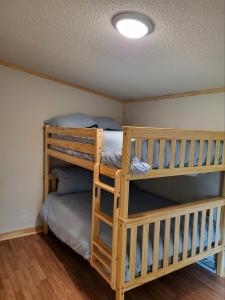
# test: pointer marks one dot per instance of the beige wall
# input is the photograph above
(25, 101)
(205, 112)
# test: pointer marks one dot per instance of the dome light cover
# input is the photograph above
(132, 25)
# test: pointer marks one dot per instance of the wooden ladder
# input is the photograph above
(104, 258)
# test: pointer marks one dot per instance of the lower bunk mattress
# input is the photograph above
(69, 218)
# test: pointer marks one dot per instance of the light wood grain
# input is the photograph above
(166, 246)
(209, 246)
(177, 95)
(202, 231)
(194, 233)
(81, 147)
(103, 257)
(20, 233)
(185, 235)
(145, 240)
(176, 239)
(220, 270)
(166, 214)
(150, 152)
(155, 261)
(133, 245)
(46, 172)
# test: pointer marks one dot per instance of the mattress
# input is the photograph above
(69, 218)
(112, 152)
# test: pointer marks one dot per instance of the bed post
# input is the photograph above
(98, 145)
(123, 213)
(46, 172)
(220, 268)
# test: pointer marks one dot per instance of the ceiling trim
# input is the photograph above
(101, 94)
(57, 80)
(177, 95)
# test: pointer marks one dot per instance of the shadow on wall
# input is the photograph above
(183, 188)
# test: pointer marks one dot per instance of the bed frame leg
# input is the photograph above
(220, 264)
(120, 294)
(220, 257)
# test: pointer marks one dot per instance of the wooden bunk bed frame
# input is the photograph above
(110, 262)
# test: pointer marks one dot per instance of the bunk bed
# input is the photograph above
(177, 235)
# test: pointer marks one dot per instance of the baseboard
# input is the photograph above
(20, 233)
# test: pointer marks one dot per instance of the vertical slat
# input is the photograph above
(176, 239)
(95, 208)
(200, 152)
(217, 149)
(46, 163)
(46, 172)
(217, 226)
(161, 154)
(220, 260)
(194, 234)
(172, 153)
(210, 229)
(202, 231)
(150, 152)
(182, 153)
(223, 153)
(155, 263)
(220, 270)
(185, 238)
(115, 228)
(166, 243)
(133, 245)
(138, 143)
(192, 152)
(122, 244)
(125, 170)
(145, 241)
(209, 150)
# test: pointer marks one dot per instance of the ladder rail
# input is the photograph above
(103, 258)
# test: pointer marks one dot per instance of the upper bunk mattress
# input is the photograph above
(112, 152)
(69, 217)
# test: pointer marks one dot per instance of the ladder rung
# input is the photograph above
(102, 271)
(103, 248)
(103, 260)
(105, 186)
(103, 217)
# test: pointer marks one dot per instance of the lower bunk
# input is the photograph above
(160, 235)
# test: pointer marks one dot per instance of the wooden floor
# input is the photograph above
(41, 267)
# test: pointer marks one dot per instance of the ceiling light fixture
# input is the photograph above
(132, 25)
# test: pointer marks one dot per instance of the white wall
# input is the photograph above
(206, 112)
(25, 102)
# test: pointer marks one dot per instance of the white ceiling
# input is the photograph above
(75, 41)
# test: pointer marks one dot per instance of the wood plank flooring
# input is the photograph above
(41, 267)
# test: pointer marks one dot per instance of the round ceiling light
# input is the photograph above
(132, 25)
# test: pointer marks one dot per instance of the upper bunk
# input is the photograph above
(140, 152)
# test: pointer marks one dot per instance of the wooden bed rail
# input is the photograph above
(172, 211)
(54, 140)
(189, 225)
(169, 138)
(93, 147)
